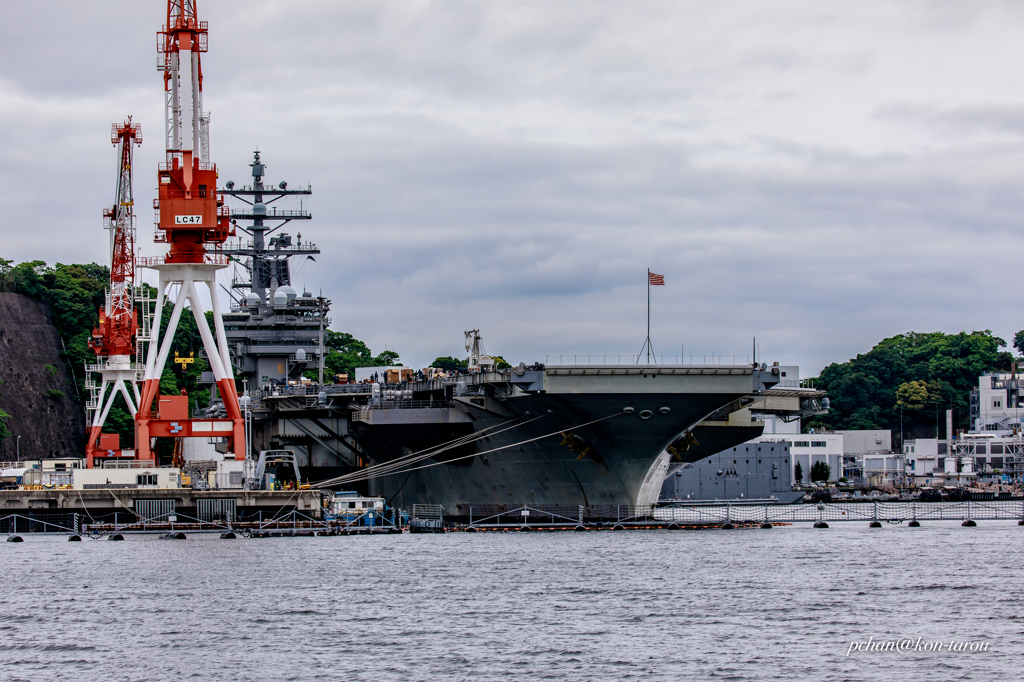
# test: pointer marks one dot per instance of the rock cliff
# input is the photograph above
(37, 390)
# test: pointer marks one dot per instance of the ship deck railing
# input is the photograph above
(406, 405)
(310, 391)
(651, 360)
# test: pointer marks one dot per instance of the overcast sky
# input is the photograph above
(818, 175)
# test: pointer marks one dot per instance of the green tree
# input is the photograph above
(449, 364)
(344, 352)
(820, 471)
(798, 472)
(5, 431)
(864, 392)
(1018, 341)
(386, 358)
(912, 395)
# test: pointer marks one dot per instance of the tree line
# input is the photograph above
(76, 292)
(908, 381)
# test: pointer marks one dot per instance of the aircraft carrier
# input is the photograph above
(541, 435)
(550, 435)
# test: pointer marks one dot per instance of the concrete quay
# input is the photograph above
(109, 500)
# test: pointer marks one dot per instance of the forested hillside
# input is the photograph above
(916, 375)
(75, 293)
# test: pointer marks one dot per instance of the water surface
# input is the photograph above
(779, 604)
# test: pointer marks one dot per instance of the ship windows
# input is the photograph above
(202, 191)
(758, 461)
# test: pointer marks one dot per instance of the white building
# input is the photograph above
(922, 461)
(885, 469)
(810, 448)
(866, 441)
(996, 404)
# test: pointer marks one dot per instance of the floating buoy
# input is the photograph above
(579, 528)
(524, 528)
(1021, 522)
(618, 526)
(228, 536)
(914, 524)
(970, 523)
(766, 525)
(117, 537)
(173, 536)
(74, 538)
(673, 526)
(727, 526)
(15, 538)
(471, 529)
(875, 524)
(820, 524)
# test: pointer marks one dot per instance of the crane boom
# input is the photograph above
(115, 336)
(118, 323)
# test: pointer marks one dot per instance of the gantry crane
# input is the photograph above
(114, 339)
(191, 216)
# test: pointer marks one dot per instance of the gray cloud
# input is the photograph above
(817, 177)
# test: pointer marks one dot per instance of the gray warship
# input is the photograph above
(552, 435)
(538, 435)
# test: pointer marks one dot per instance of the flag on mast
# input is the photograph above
(655, 280)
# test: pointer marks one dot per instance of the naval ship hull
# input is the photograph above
(536, 441)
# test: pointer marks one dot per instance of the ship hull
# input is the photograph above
(522, 456)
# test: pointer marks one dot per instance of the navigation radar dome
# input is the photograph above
(259, 208)
(289, 292)
(252, 299)
(280, 298)
(300, 355)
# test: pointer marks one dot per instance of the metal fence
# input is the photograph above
(892, 512)
(220, 509)
(427, 511)
(154, 510)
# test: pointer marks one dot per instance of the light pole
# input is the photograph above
(18, 444)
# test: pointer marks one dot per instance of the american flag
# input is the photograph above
(655, 280)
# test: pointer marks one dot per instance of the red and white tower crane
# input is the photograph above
(114, 337)
(194, 222)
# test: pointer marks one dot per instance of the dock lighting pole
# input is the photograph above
(19, 448)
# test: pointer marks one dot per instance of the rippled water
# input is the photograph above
(780, 604)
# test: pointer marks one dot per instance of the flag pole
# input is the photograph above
(648, 316)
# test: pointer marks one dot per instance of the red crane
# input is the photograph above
(191, 217)
(114, 338)
(115, 334)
